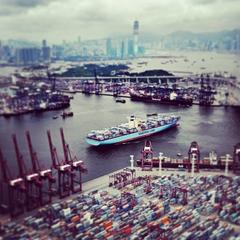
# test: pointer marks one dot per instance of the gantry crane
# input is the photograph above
(63, 169)
(32, 180)
(122, 178)
(183, 190)
(46, 175)
(98, 84)
(77, 166)
(147, 156)
(193, 157)
(15, 190)
(88, 87)
(116, 88)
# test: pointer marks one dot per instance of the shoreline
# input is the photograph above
(16, 114)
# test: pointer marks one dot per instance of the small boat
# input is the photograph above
(151, 114)
(67, 114)
(120, 100)
(55, 117)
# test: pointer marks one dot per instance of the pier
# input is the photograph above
(227, 87)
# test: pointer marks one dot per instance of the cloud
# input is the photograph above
(25, 3)
(56, 20)
(15, 7)
(203, 2)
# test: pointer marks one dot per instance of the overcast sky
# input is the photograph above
(56, 20)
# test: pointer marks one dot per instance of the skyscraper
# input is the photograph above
(123, 53)
(109, 47)
(135, 37)
(46, 51)
(130, 48)
(238, 41)
(44, 43)
(1, 52)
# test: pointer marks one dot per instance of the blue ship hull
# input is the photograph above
(131, 136)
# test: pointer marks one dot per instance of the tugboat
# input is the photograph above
(134, 129)
(66, 114)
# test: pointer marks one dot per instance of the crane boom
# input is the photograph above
(20, 162)
(33, 154)
(53, 152)
(5, 171)
(65, 147)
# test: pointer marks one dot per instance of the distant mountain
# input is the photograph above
(224, 40)
(205, 35)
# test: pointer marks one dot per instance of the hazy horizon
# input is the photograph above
(58, 20)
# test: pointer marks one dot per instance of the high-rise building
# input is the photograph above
(238, 41)
(46, 51)
(123, 53)
(109, 47)
(135, 37)
(44, 43)
(27, 56)
(130, 48)
(1, 51)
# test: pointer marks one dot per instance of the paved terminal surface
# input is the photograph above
(151, 205)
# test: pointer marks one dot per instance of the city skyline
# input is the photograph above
(58, 20)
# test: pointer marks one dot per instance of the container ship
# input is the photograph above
(134, 129)
(168, 99)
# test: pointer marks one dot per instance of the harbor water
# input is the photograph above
(214, 128)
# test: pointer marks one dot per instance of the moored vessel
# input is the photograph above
(170, 99)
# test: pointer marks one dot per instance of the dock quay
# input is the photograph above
(157, 204)
(205, 89)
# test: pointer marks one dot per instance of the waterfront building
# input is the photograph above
(27, 56)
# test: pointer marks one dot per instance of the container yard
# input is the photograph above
(131, 203)
(140, 205)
